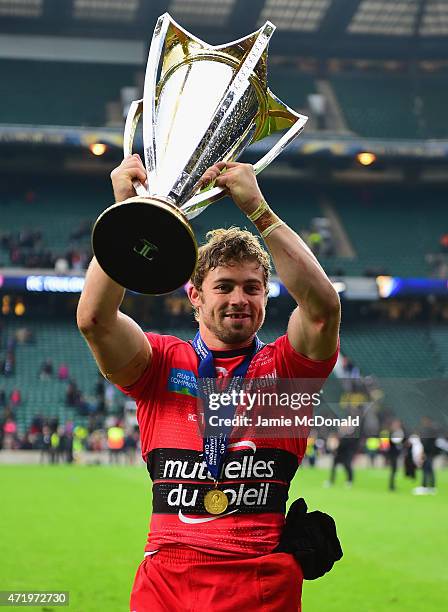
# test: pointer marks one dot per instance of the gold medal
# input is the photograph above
(216, 501)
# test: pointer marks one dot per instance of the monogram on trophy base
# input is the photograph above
(208, 104)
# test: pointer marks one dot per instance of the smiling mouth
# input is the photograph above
(237, 315)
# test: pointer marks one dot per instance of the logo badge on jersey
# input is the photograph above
(182, 382)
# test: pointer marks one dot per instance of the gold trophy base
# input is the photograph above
(146, 245)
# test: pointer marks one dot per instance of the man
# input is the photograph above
(201, 554)
(428, 436)
(344, 455)
(396, 446)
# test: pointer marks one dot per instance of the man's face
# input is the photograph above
(232, 301)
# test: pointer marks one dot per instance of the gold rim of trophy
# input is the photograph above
(155, 201)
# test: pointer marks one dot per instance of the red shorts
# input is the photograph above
(179, 579)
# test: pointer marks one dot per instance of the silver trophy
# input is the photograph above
(201, 104)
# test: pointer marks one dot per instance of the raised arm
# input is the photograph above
(313, 328)
(118, 344)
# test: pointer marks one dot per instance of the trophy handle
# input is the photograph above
(149, 95)
(198, 203)
(132, 119)
(136, 107)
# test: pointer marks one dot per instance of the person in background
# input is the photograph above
(9, 364)
(444, 243)
(63, 372)
(393, 453)
(413, 455)
(15, 398)
(428, 436)
(344, 454)
(311, 448)
(131, 445)
(115, 442)
(46, 370)
(315, 242)
(55, 442)
(372, 449)
(45, 445)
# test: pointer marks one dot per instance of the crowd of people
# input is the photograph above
(26, 249)
(97, 407)
(414, 451)
(66, 442)
(382, 440)
(393, 447)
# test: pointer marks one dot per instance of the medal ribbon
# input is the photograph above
(215, 446)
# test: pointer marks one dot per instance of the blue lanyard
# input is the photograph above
(215, 446)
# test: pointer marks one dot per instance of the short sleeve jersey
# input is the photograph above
(256, 472)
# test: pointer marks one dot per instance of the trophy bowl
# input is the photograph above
(201, 104)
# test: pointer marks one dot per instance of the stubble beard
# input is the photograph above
(230, 335)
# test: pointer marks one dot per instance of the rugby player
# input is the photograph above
(217, 517)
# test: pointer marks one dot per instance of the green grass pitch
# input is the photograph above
(83, 529)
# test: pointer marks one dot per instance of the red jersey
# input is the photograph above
(256, 473)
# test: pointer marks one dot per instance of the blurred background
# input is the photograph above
(365, 186)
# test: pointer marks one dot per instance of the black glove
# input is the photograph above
(311, 537)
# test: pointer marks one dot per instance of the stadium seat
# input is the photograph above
(377, 105)
(62, 343)
(57, 210)
(60, 93)
(439, 342)
(390, 351)
(377, 219)
(296, 206)
(291, 86)
(434, 101)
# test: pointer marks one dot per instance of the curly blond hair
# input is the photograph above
(227, 246)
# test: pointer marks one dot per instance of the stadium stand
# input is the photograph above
(62, 343)
(295, 85)
(379, 349)
(84, 89)
(439, 344)
(375, 220)
(296, 207)
(57, 210)
(60, 93)
(383, 105)
(377, 106)
(391, 351)
(434, 101)
(418, 350)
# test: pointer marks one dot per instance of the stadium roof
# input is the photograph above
(316, 28)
